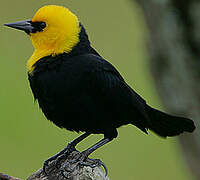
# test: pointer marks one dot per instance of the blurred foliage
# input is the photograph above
(116, 29)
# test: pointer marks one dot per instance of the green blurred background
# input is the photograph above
(118, 32)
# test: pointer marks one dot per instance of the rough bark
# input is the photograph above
(65, 169)
(174, 53)
(7, 177)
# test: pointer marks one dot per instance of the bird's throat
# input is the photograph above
(37, 55)
(64, 46)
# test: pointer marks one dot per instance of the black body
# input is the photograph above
(80, 91)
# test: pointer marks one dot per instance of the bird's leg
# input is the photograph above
(67, 150)
(96, 146)
(94, 162)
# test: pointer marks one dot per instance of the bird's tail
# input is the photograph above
(166, 125)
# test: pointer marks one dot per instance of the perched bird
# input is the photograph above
(79, 90)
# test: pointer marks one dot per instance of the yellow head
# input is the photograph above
(59, 33)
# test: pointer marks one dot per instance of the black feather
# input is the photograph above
(165, 125)
(80, 91)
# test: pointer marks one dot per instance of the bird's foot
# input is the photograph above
(94, 163)
(68, 164)
(59, 156)
(82, 159)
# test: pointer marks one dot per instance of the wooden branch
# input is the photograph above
(65, 169)
(69, 169)
(7, 177)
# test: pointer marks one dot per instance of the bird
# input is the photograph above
(78, 90)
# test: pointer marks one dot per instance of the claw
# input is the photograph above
(58, 157)
(46, 163)
(94, 163)
(61, 157)
(105, 168)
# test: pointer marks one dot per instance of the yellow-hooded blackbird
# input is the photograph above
(79, 90)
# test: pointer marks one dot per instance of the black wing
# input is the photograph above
(118, 94)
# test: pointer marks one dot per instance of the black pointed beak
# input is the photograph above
(22, 25)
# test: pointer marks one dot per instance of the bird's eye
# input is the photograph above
(38, 26)
(42, 25)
